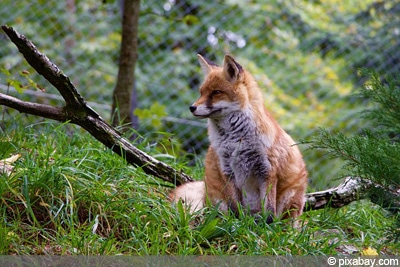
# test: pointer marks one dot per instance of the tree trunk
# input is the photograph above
(124, 91)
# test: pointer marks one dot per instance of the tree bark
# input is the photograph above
(78, 112)
(125, 93)
(351, 189)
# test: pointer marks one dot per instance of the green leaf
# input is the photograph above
(190, 20)
(155, 114)
(210, 229)
(16, 84)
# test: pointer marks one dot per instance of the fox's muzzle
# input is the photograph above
(192, 108)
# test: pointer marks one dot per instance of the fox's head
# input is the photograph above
(223, 91)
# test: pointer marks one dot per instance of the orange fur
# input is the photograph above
(251, 161)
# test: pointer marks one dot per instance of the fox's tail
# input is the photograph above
(192, 195)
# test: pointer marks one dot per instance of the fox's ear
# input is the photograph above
(205, 64)
(233, 71)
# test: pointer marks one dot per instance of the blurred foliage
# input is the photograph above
(304, 54)
(155, 113)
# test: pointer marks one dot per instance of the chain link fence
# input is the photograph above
(305, 55)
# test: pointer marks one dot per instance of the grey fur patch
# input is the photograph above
(242, 152)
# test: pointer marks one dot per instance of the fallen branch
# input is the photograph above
(78, 112)
(351, 189)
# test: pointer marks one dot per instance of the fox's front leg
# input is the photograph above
(235, 197)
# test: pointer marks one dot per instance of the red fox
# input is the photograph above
(251, 160)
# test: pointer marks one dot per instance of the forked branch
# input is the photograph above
(78, 112)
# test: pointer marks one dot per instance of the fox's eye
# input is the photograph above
(217, 92)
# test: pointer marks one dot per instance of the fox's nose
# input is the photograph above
(192, 108)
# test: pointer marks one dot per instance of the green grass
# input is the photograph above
(68, 195)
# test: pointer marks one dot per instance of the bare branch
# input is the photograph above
(41, 63)
(45, 111)
(77, 111)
